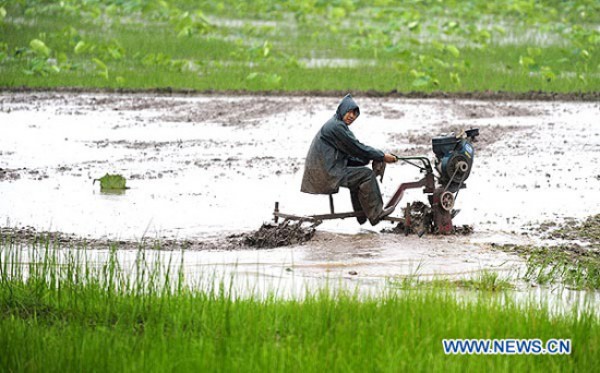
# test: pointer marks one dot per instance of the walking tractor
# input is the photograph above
(454, 154)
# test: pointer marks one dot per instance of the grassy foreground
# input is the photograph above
(383, 45)
(61, 311)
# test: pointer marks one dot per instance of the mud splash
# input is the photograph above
(422, 223)
(276, 235)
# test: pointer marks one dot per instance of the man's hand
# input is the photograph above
(389, 158)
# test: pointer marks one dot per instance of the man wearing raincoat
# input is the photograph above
(336, 158)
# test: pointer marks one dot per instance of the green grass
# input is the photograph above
(568, 262)
(485, 280)
(59, 311)
(419, 46)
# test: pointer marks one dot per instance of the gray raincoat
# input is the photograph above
(333, 150)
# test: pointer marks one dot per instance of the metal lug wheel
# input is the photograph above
(447, 201)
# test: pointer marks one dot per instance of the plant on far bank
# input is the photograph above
(423, 45)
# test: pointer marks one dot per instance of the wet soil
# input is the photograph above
(224, 110)
(574, 252)
(569, 264)
(208, 184)
(462, 230)
(422, 223)
(586, 231)
(269, 235)
(480, 95)
(7, 174)
(491, 110)
(227, 111)
(27, 236)
(488, 135)
(240, 113)
(569, 253)
(277, 235)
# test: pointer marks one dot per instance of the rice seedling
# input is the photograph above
(78, 309)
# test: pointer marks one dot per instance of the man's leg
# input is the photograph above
(356, 205)
(362, 182)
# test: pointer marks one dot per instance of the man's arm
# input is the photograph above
(356, 162)
(344, 140)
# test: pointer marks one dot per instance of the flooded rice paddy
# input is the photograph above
(203, 168)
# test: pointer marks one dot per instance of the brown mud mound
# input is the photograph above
(587, 231)
(268, 236)
(8, 174)
(276, 235)
(29, 236)
(422, 222)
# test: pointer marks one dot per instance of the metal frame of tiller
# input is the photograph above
(427, 182)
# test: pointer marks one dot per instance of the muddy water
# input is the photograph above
(200, 168)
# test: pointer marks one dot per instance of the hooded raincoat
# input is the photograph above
(333, 160)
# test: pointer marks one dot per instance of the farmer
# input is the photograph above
(336, 158)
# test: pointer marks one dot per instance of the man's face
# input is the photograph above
(349, 117)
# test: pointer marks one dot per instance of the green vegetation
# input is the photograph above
(61, 310)
(588, 230)
(110, 182)
(569, 262)
(428, 45)
(485, 280)
(569, 265)
(573, 266)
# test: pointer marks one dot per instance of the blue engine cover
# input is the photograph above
(463, 150)
(450, 153)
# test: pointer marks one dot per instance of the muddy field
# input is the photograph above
(205, 170)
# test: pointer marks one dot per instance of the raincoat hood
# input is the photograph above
(345, 106)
